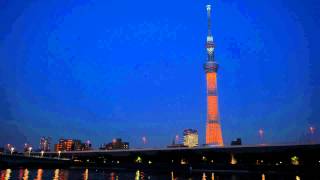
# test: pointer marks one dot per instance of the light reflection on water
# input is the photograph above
(88, 174)
(39, 174)
(137, 177)
(25, 174)
(6, 174)
(56, 174)
(204, 177)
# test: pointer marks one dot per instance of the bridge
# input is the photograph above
(19, 160)
(260, 157)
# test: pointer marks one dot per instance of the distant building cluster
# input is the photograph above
(190, 138)
(72, 145)
(115, 144)
(65, 144)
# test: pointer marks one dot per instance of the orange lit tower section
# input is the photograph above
(213, 127)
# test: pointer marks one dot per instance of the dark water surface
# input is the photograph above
(85, 174)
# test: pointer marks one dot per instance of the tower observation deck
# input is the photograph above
(213, 127)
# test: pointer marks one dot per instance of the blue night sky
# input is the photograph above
(101, 69)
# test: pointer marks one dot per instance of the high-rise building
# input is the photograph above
(65, 145)
(77, 145)
(45, 144)
(72, 145)
(190, 138)
(213, 127)
(115, 144)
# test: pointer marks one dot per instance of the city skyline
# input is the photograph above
(138, 71)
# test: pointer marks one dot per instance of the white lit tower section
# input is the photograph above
(213, 127)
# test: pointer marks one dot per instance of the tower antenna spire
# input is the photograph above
(209, 18)
(209, 43)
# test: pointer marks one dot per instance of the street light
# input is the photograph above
(144, 140)
(42, 152)
(12, 150)
(177, 139)
(261, 134)
(30, 149)
(59, 152)
(312, 129)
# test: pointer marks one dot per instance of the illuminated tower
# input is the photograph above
(213, 127)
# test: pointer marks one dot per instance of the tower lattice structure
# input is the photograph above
(213, 127)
